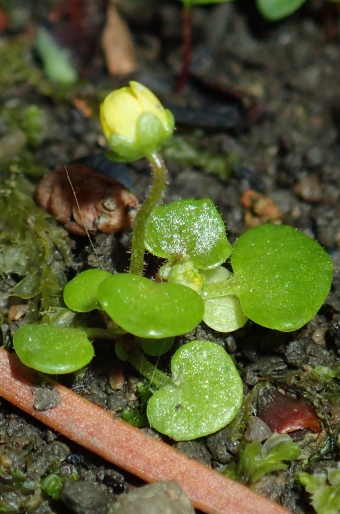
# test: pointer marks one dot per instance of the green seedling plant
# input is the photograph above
(324, 489)
(276, 276)
(256, 460)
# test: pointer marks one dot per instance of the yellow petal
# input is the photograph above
(148, 101)
(119, 113)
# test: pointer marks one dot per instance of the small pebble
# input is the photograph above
(257, 430)
(159, 498)
(83, 497)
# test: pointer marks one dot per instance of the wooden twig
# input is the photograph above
(128, 447)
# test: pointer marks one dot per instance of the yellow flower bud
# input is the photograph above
(134, 122)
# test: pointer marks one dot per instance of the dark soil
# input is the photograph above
(264, 98)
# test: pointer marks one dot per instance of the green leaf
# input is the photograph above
(223, 313)
(52, 485)
(51, 349)
(312, 482)
(280, 447)
(282, 276)
(28, 287)
(325, 498)
(276, 9)
(135, 417)
(55, 59)
(326, 373)
(183, 273)
(149, 309)
(203, 395)
(155, 347)
(80, 294)
(188, 230)
(256, 460)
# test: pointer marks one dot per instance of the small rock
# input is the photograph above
(159, 498)
(45, 397)
(222, 447)
(83, 498)
(194, 450)
(309, 189)
(257, 430)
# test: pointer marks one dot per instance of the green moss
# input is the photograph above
(19, 69)
(34, 250)
(25, 127)
(16, 64)
(324, 489)
(254, 460)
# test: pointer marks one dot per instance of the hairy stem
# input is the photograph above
(156, 192)
(138, 360)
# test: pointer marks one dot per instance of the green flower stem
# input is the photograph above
(156, 192)
(138, 360)
(218, 289)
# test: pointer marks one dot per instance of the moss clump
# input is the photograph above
(34, 250)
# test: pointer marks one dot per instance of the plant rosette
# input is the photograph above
(280, 277)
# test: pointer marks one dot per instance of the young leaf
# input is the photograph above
(183, 273)
(52, 349)
(155, 347)
(283, 276)
(223, 313)
(149, 309)
(274, 10)
(203, 395)
(188, 230)
(51, 484)
(256, 460)
(80, 294)
(325, 490)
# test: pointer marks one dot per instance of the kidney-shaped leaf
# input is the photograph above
(188, 229)
(203, 395)
(283, 276)
(150, 309)
(52, 349)
(80, 294)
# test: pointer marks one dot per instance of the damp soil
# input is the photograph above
(260, 111)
